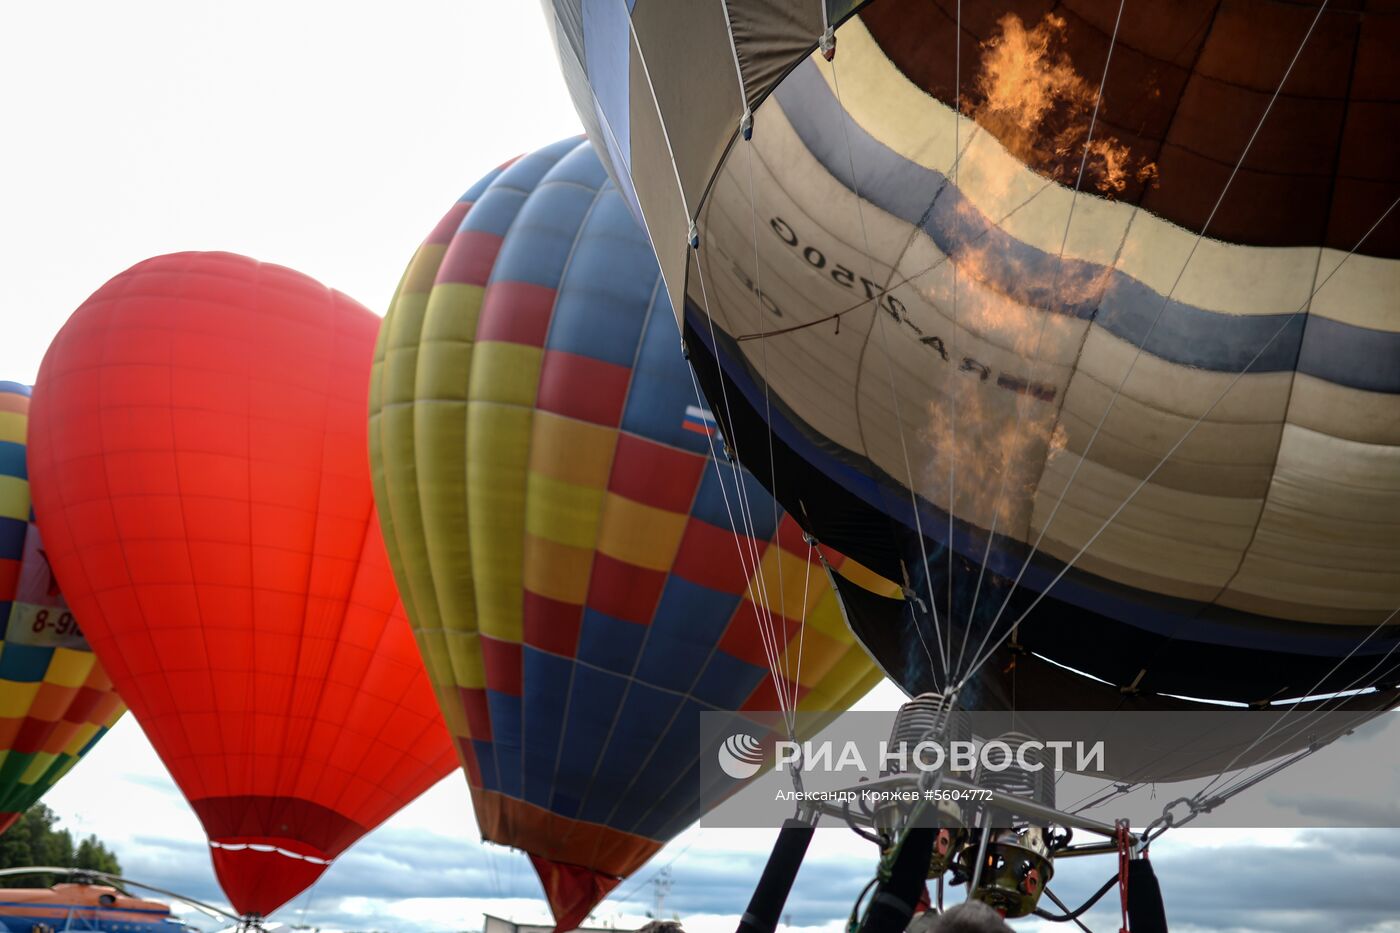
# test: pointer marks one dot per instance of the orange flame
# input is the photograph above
(1039, 106)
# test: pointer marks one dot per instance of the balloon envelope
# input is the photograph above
(56, 701)
(562, 533)
(1065, 313)
(199, 469)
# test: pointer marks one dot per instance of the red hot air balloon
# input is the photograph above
(199, 467)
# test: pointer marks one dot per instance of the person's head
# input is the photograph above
(970, 917)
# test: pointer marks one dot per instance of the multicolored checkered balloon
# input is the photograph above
(55, 699)
(563, 534)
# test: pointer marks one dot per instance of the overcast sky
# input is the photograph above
(330, 137)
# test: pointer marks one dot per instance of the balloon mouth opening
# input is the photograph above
(268, 848)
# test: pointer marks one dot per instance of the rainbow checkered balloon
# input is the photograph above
(559, 514)
(55, 699)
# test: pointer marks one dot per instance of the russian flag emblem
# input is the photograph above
(700, 421)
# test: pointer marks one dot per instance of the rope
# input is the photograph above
(894, 394)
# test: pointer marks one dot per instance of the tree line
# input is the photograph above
(35, 839)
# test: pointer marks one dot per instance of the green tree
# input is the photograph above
(94, 856)
(35, 839)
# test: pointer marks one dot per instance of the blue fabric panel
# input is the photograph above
(727, 681)
(642, 724)
(476, 190)
(12, 460)
(24, 663)
(486, 761)
(545, 684)
(607, 56)
(15, 388)
(610, 643)
(682, 809)
(659, 412)
(12, 532)
(543, 235)
(607, 289)
(494, 213)
(505, 735)
(677, 751)
(710, 502)
(495, 210)
(580, 166)
(594, 699)
(689, 621)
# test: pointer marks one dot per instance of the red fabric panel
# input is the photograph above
(550, 624)
(446, 227)
(501, 659)
(742, 639)
(478, 713)
(708, 556)
(624, 591)
(197, 453)
(469, 258)
(573, 891)
(654, 474)
(516, 312)
(582, 387)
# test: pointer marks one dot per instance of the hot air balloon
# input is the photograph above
(557, 507)
(199, 470)
(56, 701)
(1082, 321)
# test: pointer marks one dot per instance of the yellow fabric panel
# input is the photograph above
(557, 571)
(810, 655)
(441, 389)
(13, 425)
(14, 498)
(80, 737)
(393, 458)
(37, 766)
(467, 665)
(15, 698)
(440, 428)
(496, 507)
(69, 668)
(448, 342)
(572, 451)
(850, 678)
(867, 579)
(640, 534)
(454, 715)
(423, 268)
(507, 373)
(782, 577)
(825, 616)
(563, 513)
